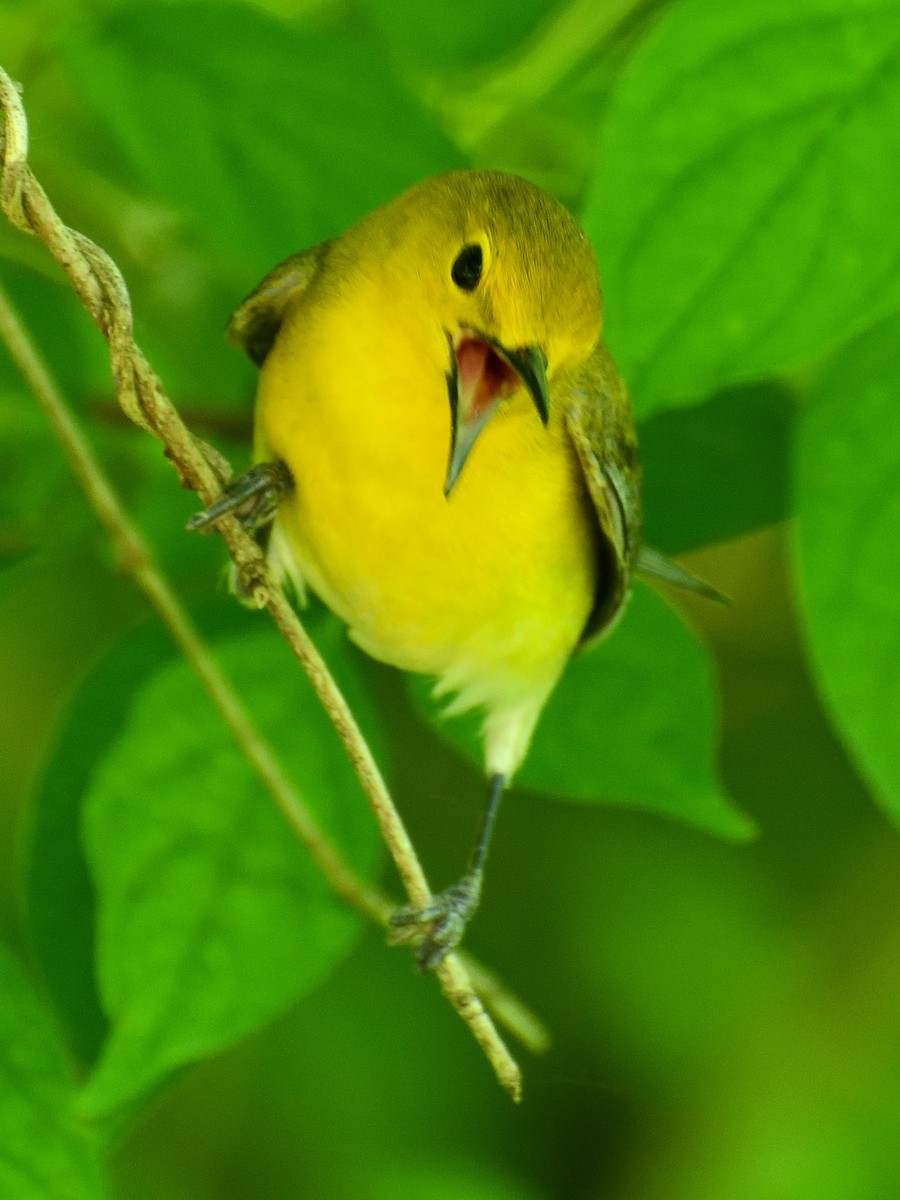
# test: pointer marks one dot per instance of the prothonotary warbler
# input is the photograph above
(446, 455)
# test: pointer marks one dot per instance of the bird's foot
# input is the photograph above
(253, 498)
(437, 928)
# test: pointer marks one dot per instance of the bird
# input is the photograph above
(445, 454)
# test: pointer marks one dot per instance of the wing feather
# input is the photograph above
(601, 426)
(255, 322)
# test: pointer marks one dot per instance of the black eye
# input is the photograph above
(467, 268)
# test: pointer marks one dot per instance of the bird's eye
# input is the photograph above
(467, 267)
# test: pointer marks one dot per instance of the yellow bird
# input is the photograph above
(446, 455)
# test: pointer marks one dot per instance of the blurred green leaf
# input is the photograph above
(42, 506)
(633, 722)
(269, 137)
(40, 502)
(743, 206)
(211, 917)
(37, 480)
(60, 896)
(460, 36)
(848, 509)
(45, 1154)
(444, 1180)
(717, 470)
(53, 315)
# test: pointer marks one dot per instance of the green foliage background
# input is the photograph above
(697, 881)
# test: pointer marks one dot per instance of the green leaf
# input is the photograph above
(745, 197)
(45, 1153)
(268, 137)
(60, 896)
(37, 479)
(43, 506)
(53, 315)
(462, 36)
(212, 919)
(443, 1179)
(717, 470)
(848, 509)
(40, 502)
(633, 722)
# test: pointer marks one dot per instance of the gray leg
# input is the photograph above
(438, 927)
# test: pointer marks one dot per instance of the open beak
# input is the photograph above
(482, 373)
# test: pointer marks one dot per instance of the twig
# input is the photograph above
(100, 286)
(135, 559)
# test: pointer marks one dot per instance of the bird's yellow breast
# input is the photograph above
(488, 588)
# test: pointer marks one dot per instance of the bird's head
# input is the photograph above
(508, 283)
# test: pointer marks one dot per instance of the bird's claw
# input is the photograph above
(253, 498)
(437, 928)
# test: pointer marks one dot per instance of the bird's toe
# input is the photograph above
(437, 927)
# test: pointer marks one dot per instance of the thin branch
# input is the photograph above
(135, 559)
(100, 286)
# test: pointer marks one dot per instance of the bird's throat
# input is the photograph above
(484, 377)
(480, 378)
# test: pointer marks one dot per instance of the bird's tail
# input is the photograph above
(653, 565)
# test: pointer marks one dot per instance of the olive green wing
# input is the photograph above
(254, 496)
(601, 426)
(255, 322)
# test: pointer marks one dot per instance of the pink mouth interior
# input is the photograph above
(484, 376)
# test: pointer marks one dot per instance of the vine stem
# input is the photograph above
(101, 288)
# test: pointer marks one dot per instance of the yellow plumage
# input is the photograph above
(488, 589)
(462, 322)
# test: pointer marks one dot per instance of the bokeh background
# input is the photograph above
(185, 1012)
